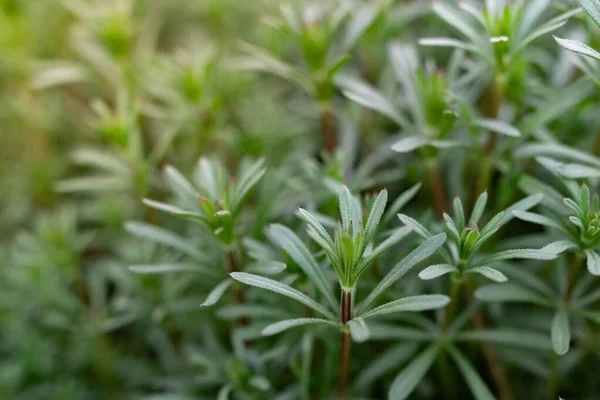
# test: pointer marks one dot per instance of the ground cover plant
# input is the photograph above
(335, 199)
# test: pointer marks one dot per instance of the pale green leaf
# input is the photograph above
(507, 292)
(280, 288)
(406, 382)
(497, 126)
(216, 293)
(374, 217)
(413, 304)
(318, 228)
(478, 208)
(560, 333)
(593, 262)
(359, 330)
(164, 237)
(577, 47)
(425, 250)
(409, 143)
(478, 387)
(437, 270)
(489, 273)
(292, 245)
(592, 8)
(281, 326)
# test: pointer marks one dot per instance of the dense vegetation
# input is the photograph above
(367, 199)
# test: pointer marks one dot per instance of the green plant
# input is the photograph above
(415, 183)
(346, 254)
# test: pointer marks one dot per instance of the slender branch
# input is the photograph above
(238, 290)
(574, 272)
(596, 148)
(553, 378)
(495, 366)
(493, 96)
(328, 129)
(437, 188)
(345, 345)
(453, 294)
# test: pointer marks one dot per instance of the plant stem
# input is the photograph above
(345, 345)
(494, 95)
(328, 128)
(453, 294)
(553, 378)
(437, 188)
(238, 290)
(494, 365)
(446, 377)
(596, 148)
(574, 272)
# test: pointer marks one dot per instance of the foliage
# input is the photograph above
(299, 200)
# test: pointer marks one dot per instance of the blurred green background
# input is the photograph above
(97, 97)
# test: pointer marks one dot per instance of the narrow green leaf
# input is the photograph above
(507, 292)
(235, 311)
(395, 238)
(415, 225)
(369, 97)
(577, 47)
(537, 219)
(478, 208)
(593, 262)
(216, 293)
(270, 267)
(478, 387)
(346, 202)
(406, 382)
(168, 268)
(447, 42)
(100, 159)
(388, 360)
(319, 229)
(560, 333)
(249, 177)
(413, 304)
(556, 150)
(175, 211)
(94, 184)
(359, 330)
(281, 288)
(497, 126)
(509, 337)
(281, 326)
(409, 143)
(180, 185)
(292, 245)
(225, 392)
(455, 18)
(401, 201)
(489, 273)
(425, 250)
(592, 8)
(374, 217)
(164, 237)
(459, 214)
(437, 270)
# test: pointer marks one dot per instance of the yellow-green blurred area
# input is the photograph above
(84, 72)
(141, 83)
(157, 155)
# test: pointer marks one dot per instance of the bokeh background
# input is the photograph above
(98, 96)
